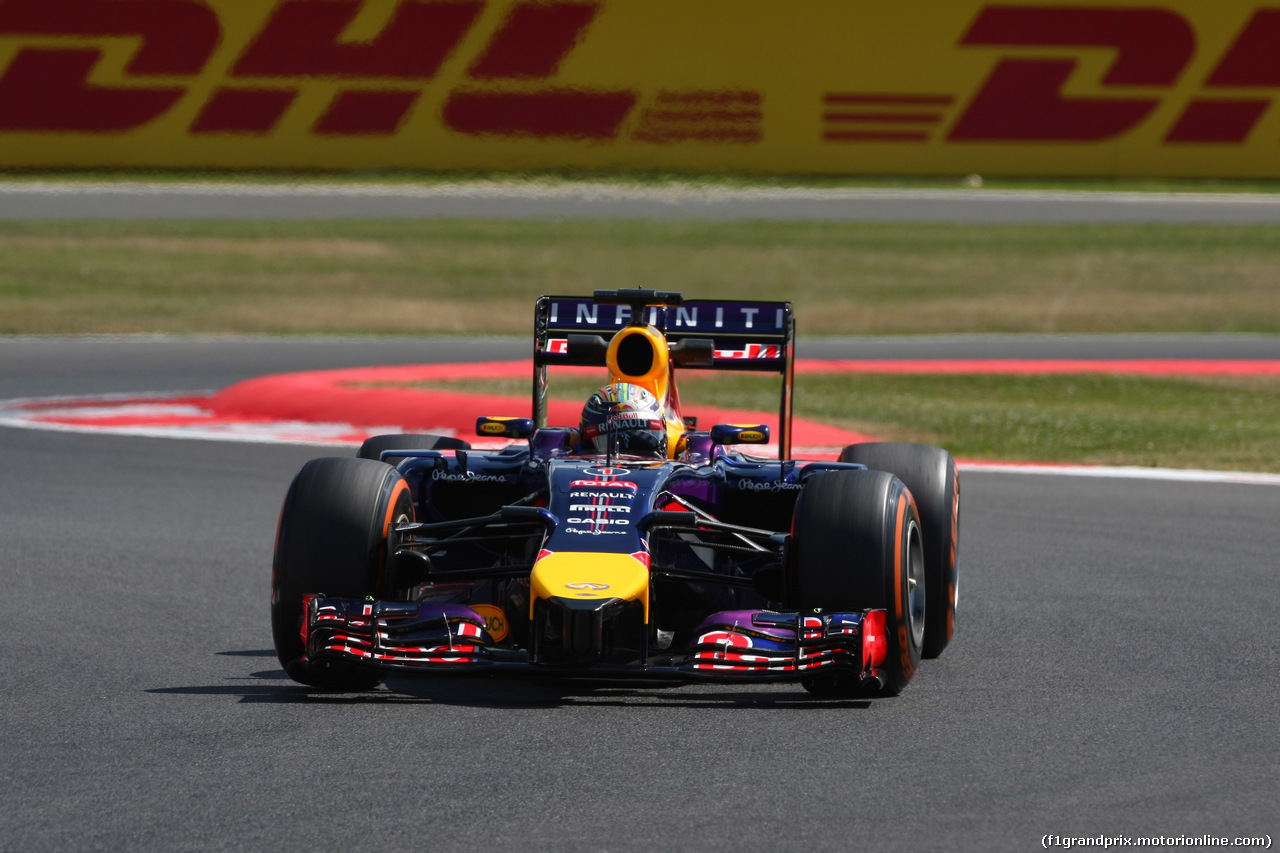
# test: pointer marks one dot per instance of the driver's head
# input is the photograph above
(628, 415)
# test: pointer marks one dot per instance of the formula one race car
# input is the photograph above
(629, 545)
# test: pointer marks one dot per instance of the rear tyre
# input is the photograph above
(855, 545)
(930, 473)
(332, 539)
(376, 444)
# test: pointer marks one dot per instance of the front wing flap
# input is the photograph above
(743, 645)
(393, 633)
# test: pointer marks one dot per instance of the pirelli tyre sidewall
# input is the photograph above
(856, 544)
(930, 473)
(374, 445)
(332, 539)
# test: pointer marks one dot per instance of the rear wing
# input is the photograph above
(746, 335)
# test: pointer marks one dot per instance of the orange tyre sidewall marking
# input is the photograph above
(399, 487)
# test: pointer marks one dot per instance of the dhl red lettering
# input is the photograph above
(842, 109)
(1022, 99)
(48, 89)
(533, 40)
(178, 36)
(304, 39)
(232, 110)
(1221, 121)
(366, 112)
(1253, 60)
(568, 113)
(1153, 45)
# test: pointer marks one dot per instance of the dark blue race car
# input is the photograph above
(629, 545)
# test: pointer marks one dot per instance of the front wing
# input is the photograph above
(741, 645)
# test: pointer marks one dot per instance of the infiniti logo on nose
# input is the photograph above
(587, 585)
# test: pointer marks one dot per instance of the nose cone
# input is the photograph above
(590, 576)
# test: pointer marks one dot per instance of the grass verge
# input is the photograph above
(1217, 424)
(459, 276)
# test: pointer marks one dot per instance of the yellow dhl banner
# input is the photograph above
(1179, 88)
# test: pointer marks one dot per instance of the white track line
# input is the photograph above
(1125, 472)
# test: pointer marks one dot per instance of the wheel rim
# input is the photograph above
(915, 585)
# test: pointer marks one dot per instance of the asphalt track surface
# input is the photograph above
(45, 200)
(1115, 672)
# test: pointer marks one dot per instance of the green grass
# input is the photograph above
(477, 277)
(1111, 420)
(1217, 424)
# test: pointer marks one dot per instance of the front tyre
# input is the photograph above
(930, 473)
(332, 540)
(856, 545)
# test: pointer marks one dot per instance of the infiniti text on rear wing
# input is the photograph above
(748, 335)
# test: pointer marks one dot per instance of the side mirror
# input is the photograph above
(495, 427)
(740, 434)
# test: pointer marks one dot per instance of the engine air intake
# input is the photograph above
(635, 355)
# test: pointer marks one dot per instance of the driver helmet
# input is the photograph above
(628, 414)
